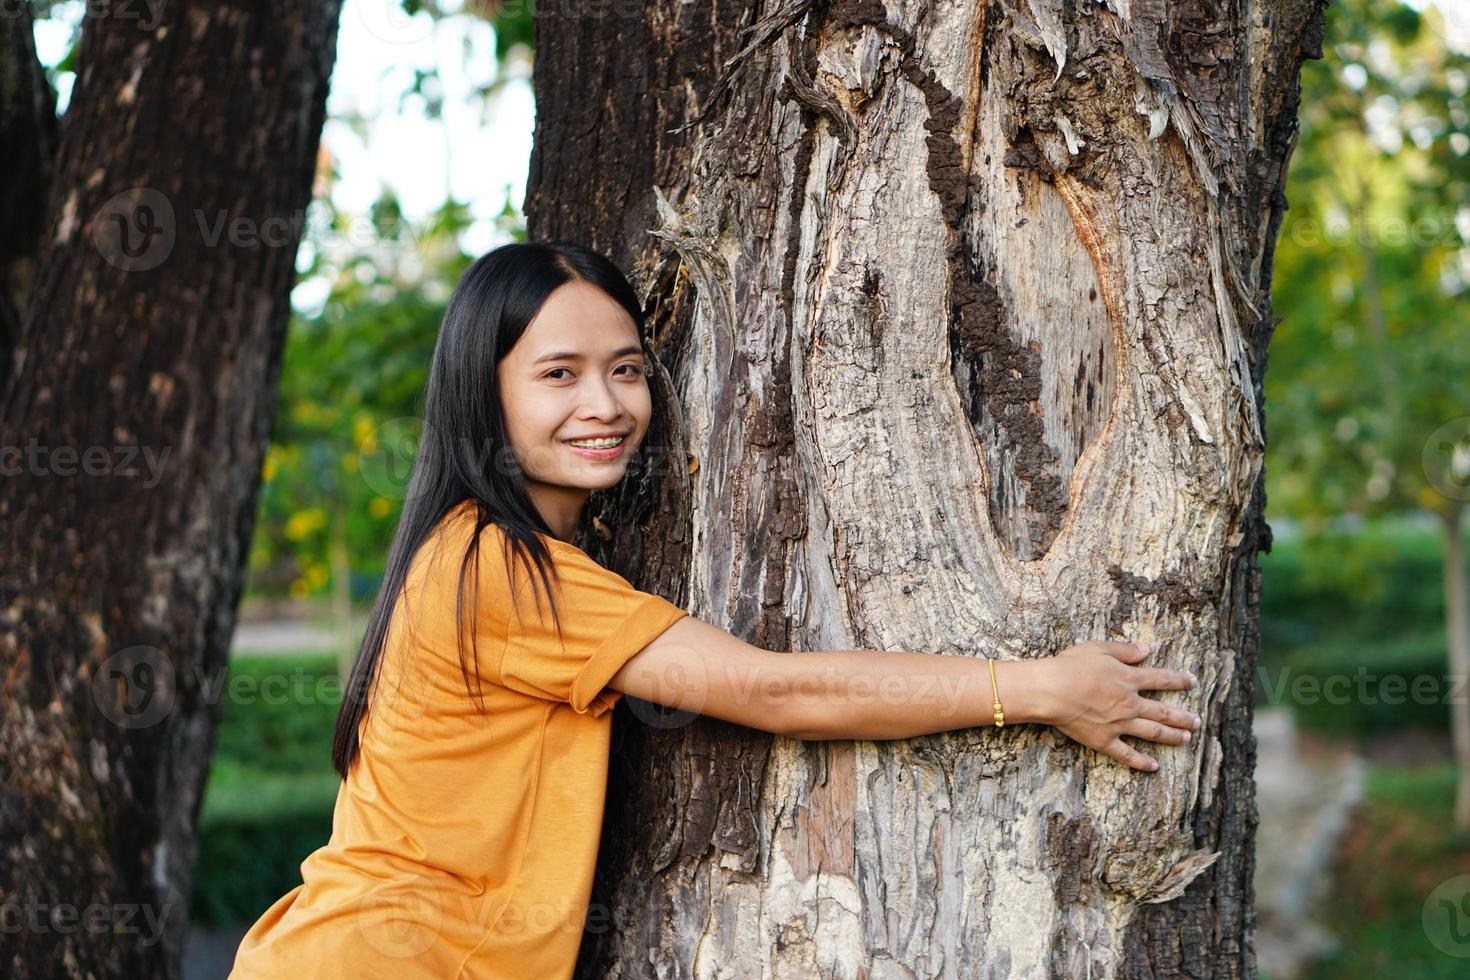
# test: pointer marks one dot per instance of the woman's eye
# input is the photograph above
(633, 370)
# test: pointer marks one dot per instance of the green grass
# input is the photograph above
(1400, 846)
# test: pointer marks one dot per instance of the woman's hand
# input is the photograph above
(1093, 694)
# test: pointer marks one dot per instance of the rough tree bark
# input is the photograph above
(965, 309)
(134, 428)
(28, 133)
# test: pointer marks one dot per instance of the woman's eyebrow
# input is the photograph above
(574, 356)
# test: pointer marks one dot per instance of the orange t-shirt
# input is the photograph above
(463, 844)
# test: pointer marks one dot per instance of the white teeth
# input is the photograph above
(596, 443)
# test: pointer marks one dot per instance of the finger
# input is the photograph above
(1168, 714)
(1155, 731)
(1130, 756)
(1129, 653)
(1161, 679)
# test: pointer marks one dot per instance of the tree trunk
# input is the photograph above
(135, 427)
(965, 310)
(28, 132)
(1457, 629)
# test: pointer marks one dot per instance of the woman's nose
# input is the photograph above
(602, 401)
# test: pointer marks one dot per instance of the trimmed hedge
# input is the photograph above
(268, 802)
(1365, 687)
(1352, 631)
(1384, 581)
(245, 865)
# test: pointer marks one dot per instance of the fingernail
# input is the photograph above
(1196, 721)
(1144, 648)
(1186, 736)
(1153, 767)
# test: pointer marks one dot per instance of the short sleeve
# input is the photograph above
(605, 622)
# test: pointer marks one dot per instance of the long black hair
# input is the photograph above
(464, 453)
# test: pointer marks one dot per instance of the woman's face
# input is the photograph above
(577, 372)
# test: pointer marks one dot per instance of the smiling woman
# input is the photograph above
(466, 826)
(466, 829)
(576, 400)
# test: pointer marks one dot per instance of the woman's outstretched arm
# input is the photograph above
(1090, 691)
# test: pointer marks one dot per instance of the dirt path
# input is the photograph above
(1305, 793)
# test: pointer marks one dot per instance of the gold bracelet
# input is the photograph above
(1000, 715)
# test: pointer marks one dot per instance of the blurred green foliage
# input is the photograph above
(1372, 356)
(244, 865)
(354, 367)
(514, 25)
(1372, 272)
(276, 709)
(1340, 614)
(1365, 687)
(347, 374)
(268, 802)
(1379, 581)
(1401, 846)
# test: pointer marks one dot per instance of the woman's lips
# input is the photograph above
(612, 453)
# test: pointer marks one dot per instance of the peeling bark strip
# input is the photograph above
(965, 310)
(142, 342)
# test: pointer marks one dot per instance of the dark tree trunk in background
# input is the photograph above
(135, 424)
(28, 136)
(964, 309)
